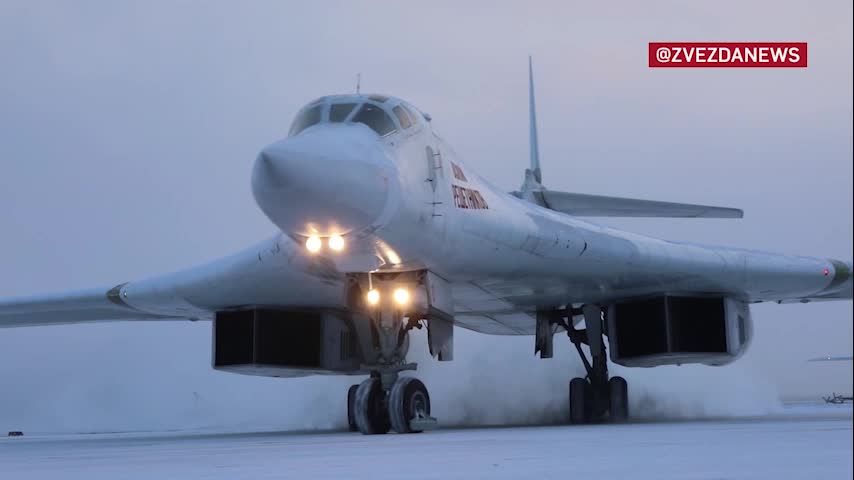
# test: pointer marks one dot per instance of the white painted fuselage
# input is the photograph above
(405, 201)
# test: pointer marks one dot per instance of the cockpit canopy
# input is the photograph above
(384, 115)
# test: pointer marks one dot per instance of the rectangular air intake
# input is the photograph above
(263, 341)
(676, 329)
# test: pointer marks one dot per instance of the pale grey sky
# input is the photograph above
(128, 130)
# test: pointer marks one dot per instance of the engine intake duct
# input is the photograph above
(670, 330)
(281, 343)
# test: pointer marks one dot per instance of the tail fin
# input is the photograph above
(532, 111)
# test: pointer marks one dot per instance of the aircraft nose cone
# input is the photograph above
(324, 182)
(267, 172)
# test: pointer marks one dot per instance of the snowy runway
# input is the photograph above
(803, 442)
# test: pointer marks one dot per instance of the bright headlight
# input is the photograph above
(336, 242)
(401, 296)
(373, 296)
(313, 244)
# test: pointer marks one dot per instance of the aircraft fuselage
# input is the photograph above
(406, 201)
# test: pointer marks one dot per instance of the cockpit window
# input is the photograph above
(412, 115)
(402, 117)
(376, 118)
(306, 119)
(339, 111)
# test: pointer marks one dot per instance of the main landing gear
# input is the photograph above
(382, 320)
(596, 397)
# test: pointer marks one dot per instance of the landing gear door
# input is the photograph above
(440, 317)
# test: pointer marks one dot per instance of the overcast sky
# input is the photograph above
(128, 131)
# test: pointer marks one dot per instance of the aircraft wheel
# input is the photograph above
(351, 408)
(408, 400)
(580, 401)
(618, 396)
(369, 409)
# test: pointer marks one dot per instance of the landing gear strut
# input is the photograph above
(386, 401)
(595, 397)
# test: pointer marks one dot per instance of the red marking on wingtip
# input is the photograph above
(826, 272)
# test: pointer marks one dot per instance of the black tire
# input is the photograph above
(408, 399)
(579, 401)
(370, 410)
(618, 397)
(351, 408)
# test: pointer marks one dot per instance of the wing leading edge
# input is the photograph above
(273, 272)
(94, 305)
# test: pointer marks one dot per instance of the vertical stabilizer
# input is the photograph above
(532, 111)
(532, 186)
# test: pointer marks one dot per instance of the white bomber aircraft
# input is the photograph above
(385, 229)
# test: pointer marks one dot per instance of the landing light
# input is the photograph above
(401, 296)
(373, 296)
(313, 244)
(336, 242)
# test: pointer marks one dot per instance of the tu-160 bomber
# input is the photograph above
(384, 229)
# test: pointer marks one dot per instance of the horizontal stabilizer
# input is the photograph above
(583, 205)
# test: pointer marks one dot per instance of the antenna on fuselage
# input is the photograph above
(358, 83)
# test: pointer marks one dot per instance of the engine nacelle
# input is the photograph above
(283, 343)
(672, 330)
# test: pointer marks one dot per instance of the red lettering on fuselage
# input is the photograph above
(468, 198)
(458, 172)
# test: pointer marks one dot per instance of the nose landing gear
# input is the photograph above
(387, 401)
(405, 408)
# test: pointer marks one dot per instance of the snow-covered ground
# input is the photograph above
(804, 441)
